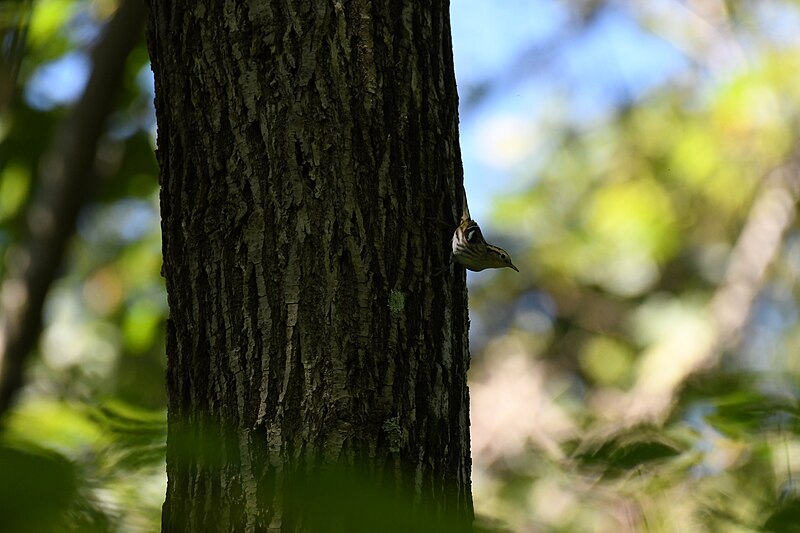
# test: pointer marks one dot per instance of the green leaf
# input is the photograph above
(621, 453)
(785, 519)
(36, 489)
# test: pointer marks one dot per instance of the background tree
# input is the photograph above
(66, 178)
(304, 149)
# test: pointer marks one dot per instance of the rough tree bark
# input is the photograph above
(307, 151)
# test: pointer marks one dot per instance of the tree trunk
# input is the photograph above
(316, 365)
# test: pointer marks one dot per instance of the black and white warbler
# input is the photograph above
(472, 251)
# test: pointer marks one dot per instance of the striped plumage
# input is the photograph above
(472, 251)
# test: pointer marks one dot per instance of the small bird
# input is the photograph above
(472, 251)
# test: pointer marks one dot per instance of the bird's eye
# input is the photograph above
(503, 257)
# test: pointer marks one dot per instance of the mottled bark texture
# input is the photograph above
(309, 153)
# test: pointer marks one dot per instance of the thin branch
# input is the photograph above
(772, 213)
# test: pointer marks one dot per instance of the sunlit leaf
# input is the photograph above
(14, 185)
(141, 324)
(53, 425)
(48, 20)
(133, 437)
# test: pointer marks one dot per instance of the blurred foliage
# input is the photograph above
(84, 448)
(595, 403)
(608, 398)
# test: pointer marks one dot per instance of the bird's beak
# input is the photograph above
(512, 266)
